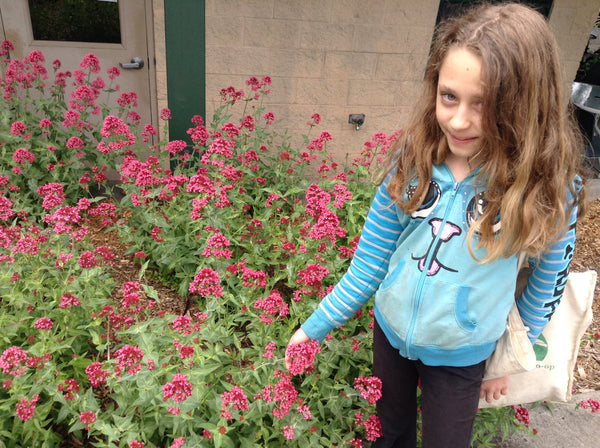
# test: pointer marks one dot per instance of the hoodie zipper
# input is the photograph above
(419, 290)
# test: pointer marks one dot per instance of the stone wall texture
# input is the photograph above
(338, 57)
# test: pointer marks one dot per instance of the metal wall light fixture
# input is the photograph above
(357, 120)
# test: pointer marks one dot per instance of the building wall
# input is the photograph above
(572, 21)
(332, 57)
(158, 16)
(337, 58)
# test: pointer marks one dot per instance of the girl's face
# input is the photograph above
(458, 105)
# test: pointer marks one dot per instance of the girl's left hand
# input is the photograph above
(493, 389)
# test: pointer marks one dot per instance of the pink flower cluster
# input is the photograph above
(179, 389)
(521, 414)
(12, 359)
(185, 326)
(236, 398)
(311, 278)
(594, 405)
(250, 278)
(116, 129)
(369, 388)
(53, 195)
(326, 223)
(217, 246)
(272, 306)
(128, 358)
(70, 388)
(284, 395)
(68, 300)
(87, 418)
(372, 426)
(26, 408)
(206, 283)
(43, 323)
(131, 294)
(302, 357)
(96, 374)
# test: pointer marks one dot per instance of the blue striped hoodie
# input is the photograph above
(433, 300)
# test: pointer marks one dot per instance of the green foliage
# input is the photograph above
(245, 227)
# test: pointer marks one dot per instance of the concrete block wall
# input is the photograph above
(331, 57)
(572, 21)
(160, 56)
(337, 57)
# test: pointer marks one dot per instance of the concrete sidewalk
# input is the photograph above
(566, 427)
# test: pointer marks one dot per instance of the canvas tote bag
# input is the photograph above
(556, 349)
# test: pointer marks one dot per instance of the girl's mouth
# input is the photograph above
(462, 141)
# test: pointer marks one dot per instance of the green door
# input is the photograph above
(185, 47)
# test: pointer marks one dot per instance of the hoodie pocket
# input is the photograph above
(394, 298)
(443, 318)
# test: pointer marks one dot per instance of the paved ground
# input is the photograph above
(567, 427)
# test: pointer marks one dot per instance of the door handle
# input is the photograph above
(136, 63)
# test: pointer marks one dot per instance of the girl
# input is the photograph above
(487, 170)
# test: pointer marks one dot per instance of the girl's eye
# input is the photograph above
(448, 97)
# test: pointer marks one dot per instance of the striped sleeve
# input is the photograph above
(547, 282)
(367, 269)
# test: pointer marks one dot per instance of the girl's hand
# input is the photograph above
(299, 337)
(493, 389)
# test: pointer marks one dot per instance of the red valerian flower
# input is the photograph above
(11, 360)
(273, 306)
(269, 349)
(284, 395)
(177, 443)
(236, 398)
(96, 374)
(43, 323)
(131, 294)
(206, 283)
(165, 114)
(312, 276)
(179, 389)
(70, 388)
(288, 432)
(17, 128)
(26, 408)
(176, 146)
(521, 414)
(217, 246)
(68, 300)
(6, 211)
(113, 72)
(5, 47)
(87, 260)
(369, 388)
(87, 418)
(302, 357)
(372, 426)
(128, 358)
(22, 155)
(91, 62)
(304, 412)
(128, 99)
(114, 127)
(269, 117)
(594, 405)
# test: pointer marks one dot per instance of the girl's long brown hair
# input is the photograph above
(531, 146)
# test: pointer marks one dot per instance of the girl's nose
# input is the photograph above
(461, 119)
